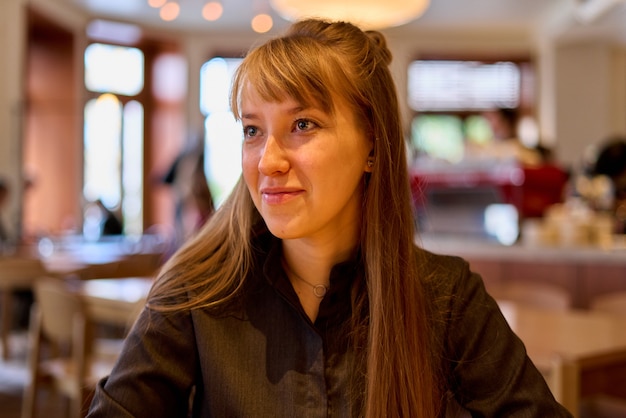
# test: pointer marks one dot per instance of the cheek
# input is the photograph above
(249, 170)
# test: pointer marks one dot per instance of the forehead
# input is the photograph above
(251, 95)
(276, 79)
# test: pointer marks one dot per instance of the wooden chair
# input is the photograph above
(601, 405)
(74, 363)
(16, 273)
(594, 384)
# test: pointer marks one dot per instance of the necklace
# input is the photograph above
(319, 290)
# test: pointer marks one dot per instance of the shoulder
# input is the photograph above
(441, 273)
(432, 263)
(452, 287)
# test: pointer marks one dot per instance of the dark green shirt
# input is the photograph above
(265, 358)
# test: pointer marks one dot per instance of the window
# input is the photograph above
(113, 69)
(103, 150)
(113, 134)
(223, 134)
(450, 100)
(462, 85)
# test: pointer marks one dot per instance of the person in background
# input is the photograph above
(193, 199)
(305, 293)
(503, 123)
(110, 222)
(200, 195)
(505, 146)
(611, 162)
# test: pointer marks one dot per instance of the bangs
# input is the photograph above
(287, 68)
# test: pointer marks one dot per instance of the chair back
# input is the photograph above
(59, 307)
(16, 273)
(59, 318)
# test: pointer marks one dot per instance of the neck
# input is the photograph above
(308, 268)
(313, 261)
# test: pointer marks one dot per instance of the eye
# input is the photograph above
(304, 125)
(250, 131)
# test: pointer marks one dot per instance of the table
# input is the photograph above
(114, 301)
(580, 353)
(61, 265)
(74, 255)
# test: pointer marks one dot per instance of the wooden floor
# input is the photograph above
(13, 378)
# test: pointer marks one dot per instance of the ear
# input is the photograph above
(369, 164)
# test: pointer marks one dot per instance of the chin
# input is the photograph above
(280, 231)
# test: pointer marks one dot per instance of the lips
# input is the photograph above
(279, 195)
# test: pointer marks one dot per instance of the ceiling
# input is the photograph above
(552, 15)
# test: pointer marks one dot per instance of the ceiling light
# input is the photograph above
(169, 11)
(212, 10)
(262, 23)
(156, 3)
(368, 14)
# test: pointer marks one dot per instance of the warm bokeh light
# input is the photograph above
(156, 3)
(169, 11)
(369, 14)
(262, 23)
(108, 100)
(212, 10)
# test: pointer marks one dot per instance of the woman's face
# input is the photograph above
(304, 167)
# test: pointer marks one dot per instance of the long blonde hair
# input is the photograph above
(318, 61)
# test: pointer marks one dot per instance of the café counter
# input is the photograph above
(583, 271)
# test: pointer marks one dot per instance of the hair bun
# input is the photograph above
(379, 40)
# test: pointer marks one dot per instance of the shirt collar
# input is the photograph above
(337, 300)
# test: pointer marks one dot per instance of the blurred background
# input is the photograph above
(102, 98)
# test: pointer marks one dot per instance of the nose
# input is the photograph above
(273, 158)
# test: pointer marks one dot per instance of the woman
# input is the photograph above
(304, 294)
